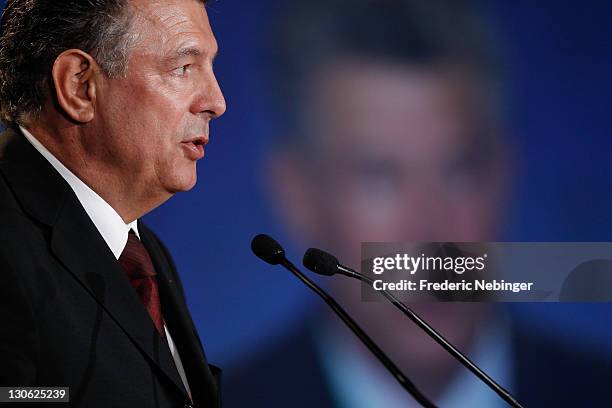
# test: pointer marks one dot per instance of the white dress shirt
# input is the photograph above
(108, 222)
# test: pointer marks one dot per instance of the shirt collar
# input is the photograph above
(108, 222)
(359, 382)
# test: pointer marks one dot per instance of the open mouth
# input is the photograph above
(195, 147)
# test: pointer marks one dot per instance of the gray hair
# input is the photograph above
(35, 32)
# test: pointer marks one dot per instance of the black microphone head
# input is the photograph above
(320, 262)
(267, 249)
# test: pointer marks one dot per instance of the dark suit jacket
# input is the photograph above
(68, 314)
(289, 373)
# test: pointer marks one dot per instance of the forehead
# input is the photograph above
(399, 109)
(162, 26)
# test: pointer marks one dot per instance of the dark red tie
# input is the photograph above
(137, 264)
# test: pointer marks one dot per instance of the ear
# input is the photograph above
(293, 194)
(503, 176)
(504, 158)
(74, 73)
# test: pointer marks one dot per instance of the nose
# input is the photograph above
(210, 100)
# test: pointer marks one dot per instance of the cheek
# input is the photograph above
(152, 111)
(158, 132)
(476, 219)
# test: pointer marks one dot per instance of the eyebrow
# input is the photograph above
(190, 51)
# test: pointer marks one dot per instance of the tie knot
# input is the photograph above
(135, 259)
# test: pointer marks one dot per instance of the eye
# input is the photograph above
(182, 71)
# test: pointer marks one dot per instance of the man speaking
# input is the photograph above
(107, 105)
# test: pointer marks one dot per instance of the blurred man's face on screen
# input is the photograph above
(403, 154)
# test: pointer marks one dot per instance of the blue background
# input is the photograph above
(560, 104)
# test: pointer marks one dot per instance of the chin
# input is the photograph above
(190, 184)
(183, 182)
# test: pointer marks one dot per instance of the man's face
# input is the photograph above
(153, 123)
(399, 154)
(403, 154)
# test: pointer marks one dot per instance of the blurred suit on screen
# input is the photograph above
(107, 113)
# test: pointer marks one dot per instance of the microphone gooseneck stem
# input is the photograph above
(499, 390)
(358, 331)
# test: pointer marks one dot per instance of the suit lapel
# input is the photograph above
(201, 381)
(87, 257)
(78, 245)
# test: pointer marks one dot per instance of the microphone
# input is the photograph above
(267, 249)
(323, 263)
(270, 251)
